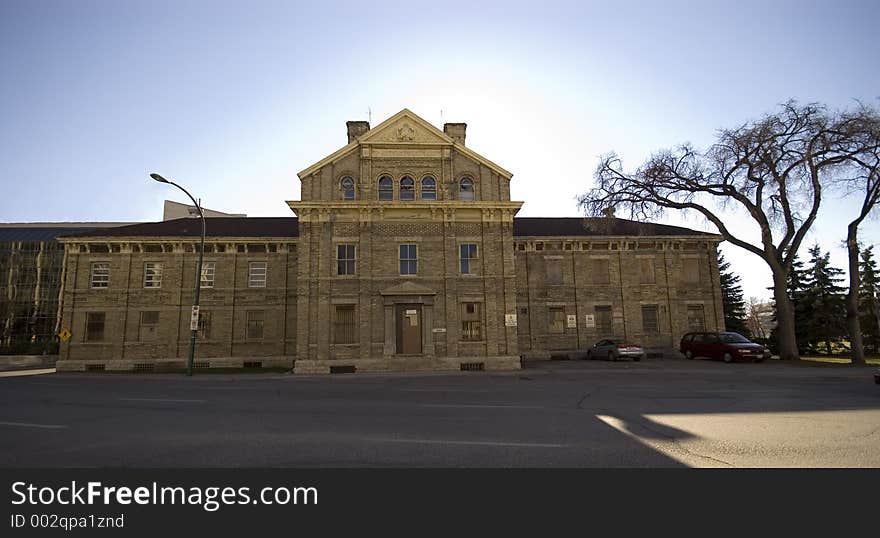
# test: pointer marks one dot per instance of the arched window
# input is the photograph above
(466, 189)
(347, 186)
(429, 188)
(386, 188)
(407, 188)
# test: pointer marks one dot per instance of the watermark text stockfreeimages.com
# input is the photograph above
(210, 498)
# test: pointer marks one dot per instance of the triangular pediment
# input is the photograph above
(405, 128)
(408, 288)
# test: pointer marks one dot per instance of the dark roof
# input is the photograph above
(37, 233)
(214, 227)
(580, 226)
(288, 227)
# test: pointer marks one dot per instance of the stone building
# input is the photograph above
(405, 254)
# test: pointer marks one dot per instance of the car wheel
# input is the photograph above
(637, 358)
(611, 356)
(728, 357)
(688, 355)
(759, 360)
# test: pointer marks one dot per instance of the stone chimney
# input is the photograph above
(455, 131)
(356, 129)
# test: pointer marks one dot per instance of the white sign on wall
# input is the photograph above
(510, 320)
(590, 320)
(571, 321)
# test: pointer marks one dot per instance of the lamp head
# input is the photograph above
(158, 178)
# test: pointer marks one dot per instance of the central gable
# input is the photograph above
(405, 128)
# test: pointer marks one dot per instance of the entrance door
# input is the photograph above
(409, 329)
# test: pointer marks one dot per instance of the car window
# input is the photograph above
(734, 338)
(687, 338)
(699, 338)
(711, 338)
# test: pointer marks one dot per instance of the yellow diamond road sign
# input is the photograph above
(64, 334)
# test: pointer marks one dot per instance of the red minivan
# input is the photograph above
(726, 346)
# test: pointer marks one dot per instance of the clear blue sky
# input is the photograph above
(233, 98)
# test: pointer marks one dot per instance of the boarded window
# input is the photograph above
(95, 326)
(204, 327)
(468, 254)
(696, 318)
(255, 321)
(646, 271)
(207, 280)
(650, 320)
(604, 324)
(601, 271)
(554, 271)
(152, 275)
(345, 259)
(409, 260)
(100, 276)
(344, 326)
(691, 269)
(471, 322)
(257, 275)
(556, 320)
(148, 329)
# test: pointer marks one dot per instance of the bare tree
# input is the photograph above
(859, 130)
(773, 169)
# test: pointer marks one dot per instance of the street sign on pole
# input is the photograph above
(194, 319)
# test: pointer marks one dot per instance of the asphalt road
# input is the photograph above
(657, 413)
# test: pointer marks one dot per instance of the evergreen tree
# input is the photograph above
(823, 300)
(869, 299)
(732, 299)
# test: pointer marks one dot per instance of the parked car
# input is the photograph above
(727, 346)
(615, 349)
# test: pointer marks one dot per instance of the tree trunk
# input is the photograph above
(853, 325)
(788, 349)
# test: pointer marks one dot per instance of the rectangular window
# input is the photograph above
(255, 319)
(95, 326)
(152, 275)
(344, 326)
(650, 320)
(646, 271)
(149, 326)
(471, 322)
(604, 324)
(409, 260)
(207, 280)
(100, 276)
(554, 271)
(601, 271)
(690, 269)
(696, 319)
(556, 320)
(204, 327)
(468, 253)
(257, 275)
(345, 259)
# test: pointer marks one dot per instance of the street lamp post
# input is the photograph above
(195, 311)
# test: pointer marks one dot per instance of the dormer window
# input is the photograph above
(386, 188)
(407, 188)
(429, 188)
(466, 189)
(347, 186)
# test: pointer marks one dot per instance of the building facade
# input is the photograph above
(405, 254)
